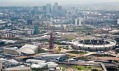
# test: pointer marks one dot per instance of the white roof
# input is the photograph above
(17, 68)
(52, 64)
(1, 22)
(28, 49)
(34, 60)
(33, 47)
(35, 66)
(40, 65)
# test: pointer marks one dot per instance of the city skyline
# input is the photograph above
(41, 2)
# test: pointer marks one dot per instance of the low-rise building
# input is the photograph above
(27, 49)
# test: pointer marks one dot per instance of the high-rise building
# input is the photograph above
(117, 21)
(78, 22)
(60, 8)
(35, 10)
(55, 9)
(48, 9)
(56, 6)
(36, 29)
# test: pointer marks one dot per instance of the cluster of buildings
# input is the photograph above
(13, 59)
(25, 34)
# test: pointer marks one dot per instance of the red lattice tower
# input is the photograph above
(51, 43)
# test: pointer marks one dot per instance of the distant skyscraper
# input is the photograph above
(55, 8)
(44, 8)
(35, 10)
(78, 22)
(36, 29)
(48, 9)
(60, 8)
(118, 21)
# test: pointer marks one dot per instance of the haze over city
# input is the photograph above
(59, 35)
(43, 2)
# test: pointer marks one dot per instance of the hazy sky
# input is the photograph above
(43, 2)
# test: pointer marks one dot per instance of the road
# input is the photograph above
(106, 58)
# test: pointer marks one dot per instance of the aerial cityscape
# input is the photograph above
(59, 35)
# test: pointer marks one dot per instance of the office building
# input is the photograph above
(35, 10)
(36, 30)
(55, 7)
(48, 9)
(78, 22)
(117, 21)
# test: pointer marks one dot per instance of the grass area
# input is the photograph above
(83, 58)
(77, 52)
(81, 68)
(68, 56)
(63, 67)
(69, 38)
(41, 50)
(87, 68)
(102, 55)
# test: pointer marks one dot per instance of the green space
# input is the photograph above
(77, 52)
(44, 40)
(87, 68)
(41, 50)
(63, 67)
(82, 29)
(102, 55)
(68, 56)
(39, 69)
(84, 58)
(81, 68)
